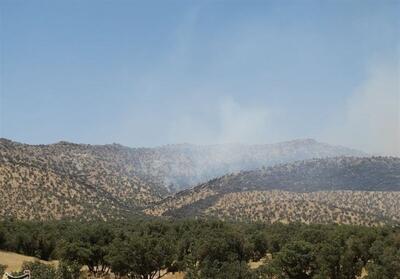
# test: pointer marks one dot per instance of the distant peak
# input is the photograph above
(63, 142)
(302, 141)
(309, 141)
(6, 141)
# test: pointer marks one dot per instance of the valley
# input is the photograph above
(350, 190)
(80, 181)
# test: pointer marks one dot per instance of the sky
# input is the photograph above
(149, 73)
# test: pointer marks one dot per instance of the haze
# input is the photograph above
(146, 73)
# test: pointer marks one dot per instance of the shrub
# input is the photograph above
(2, 270)
(39, 270)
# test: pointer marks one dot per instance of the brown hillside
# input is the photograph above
(342, 190)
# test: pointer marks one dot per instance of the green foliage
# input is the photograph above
(89, 246)
(2, 238)
(260, 245)
(39, 270)
(69, 270)
(205, 249)
(45, 271)
(29, 238)
(295, 260)
(327, 259)
(385, 258)
(222, 252)
(141, 255)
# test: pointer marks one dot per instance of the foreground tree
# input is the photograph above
(222, 254)
(89, 246)
(327, 260)
(39, 270)
(69, 270)
(385, 262)
(294, 261)
(141, 256)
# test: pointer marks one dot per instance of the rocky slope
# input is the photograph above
(28, 192)
(343, 189)
(70, 180)
(183, 166)
(86, 181)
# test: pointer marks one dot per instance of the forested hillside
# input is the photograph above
(67, 180)
(342, 190)
(70, 180)
(182, 166)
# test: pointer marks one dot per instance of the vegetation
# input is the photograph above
(2, 269)
(149, 249)
(342, 207)
(66, 180)
(177, 166)
(96, 191)
(39, 270)
(349, 190)
(88, 182)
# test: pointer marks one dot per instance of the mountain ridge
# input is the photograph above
(181, 166)
(69, 180)
(361, 175)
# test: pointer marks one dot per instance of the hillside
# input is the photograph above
(29, 192)
(70, 180)
(185, 165)
(343, 189)
(67, 180)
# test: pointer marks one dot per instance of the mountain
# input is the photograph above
(362, 190)
(68, 180)
(71, 180)
(183, 166)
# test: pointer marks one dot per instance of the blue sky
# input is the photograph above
(146, 73)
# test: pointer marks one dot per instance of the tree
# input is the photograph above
(327, 259)
(69, 270)
(385, 262)
(3, 238)
(351, 260)
(141, 256)
(295, 261)
(89, 246)
(223, 253)
(260, 243)
(39, 270)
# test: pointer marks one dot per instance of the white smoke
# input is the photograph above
(371, 118)
(239, 123)
(234, 123)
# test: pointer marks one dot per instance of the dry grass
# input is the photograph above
(14, 261)
(177, 275)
